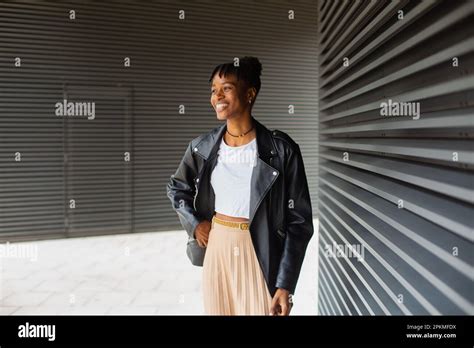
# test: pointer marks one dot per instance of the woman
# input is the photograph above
(241, 193)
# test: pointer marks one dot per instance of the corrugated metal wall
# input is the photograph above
(399, 189)
(73, 178)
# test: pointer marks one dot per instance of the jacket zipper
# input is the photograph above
(197, 181)
(195, 196)
(270, 193)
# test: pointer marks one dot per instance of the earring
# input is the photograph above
(250, 100)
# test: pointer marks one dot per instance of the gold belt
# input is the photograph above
(235, 224)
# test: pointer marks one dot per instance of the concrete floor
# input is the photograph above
(145, 273)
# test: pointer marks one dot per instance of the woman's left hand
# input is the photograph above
(281, 304)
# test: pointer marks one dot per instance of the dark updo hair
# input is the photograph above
(249, 71)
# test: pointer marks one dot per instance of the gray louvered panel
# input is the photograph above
(417, 278)
(336, 16)
(451, 215)
(456, 50)
(170, 64)
(328, 15)
(99, 180)
(457, 184)
(357, 24)
(462, 84)
(447, 121)
(32, 190)
(393, 185)
(424, 149)
(387, 12)
(447, 19)
(415, 229)
(347, 14)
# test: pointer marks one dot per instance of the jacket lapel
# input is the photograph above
(263, 174)
(208, 146)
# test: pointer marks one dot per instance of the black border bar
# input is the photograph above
(290, 331)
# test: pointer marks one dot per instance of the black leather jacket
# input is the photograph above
(281, 222)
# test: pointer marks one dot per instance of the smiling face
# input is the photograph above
(229, 98)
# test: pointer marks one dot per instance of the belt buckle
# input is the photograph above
(244, 226)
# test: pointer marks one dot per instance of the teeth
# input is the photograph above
(221, 106)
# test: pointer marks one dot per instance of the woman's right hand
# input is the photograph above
(201, 234)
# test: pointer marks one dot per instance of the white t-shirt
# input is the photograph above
(231, 177)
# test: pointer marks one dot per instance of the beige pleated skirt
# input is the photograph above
(233, 281)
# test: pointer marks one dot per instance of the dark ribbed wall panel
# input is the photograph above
(137, 107)
(392, 185)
